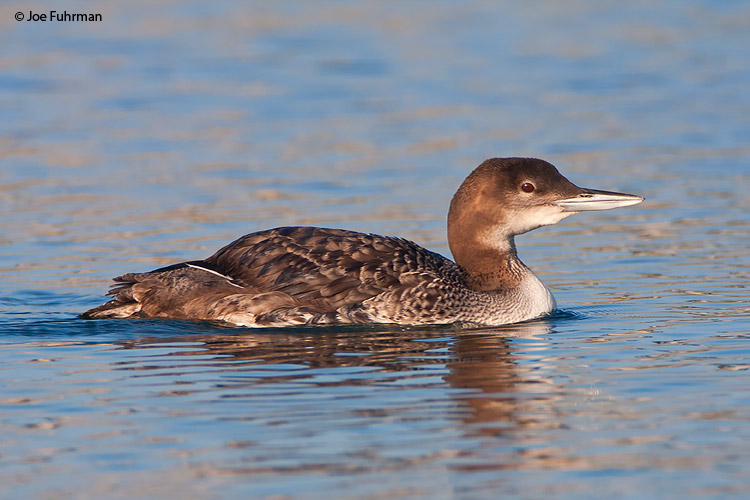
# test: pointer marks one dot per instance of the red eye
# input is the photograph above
(527, 187)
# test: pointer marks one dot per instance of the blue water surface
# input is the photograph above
(170, 128)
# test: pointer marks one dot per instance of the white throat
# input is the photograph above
(535, 297)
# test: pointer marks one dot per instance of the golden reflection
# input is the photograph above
(504, 394)
(496, 389)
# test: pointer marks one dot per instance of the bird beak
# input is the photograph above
(593, 199)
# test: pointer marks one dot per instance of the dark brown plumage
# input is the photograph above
(290, 275)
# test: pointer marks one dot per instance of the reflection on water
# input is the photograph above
(260, 392)
(172, 128)
(502, 409)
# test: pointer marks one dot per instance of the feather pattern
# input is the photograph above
(301, 275)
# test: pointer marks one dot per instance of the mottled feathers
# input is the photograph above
(295, 275)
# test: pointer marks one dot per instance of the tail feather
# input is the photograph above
(181, 290)
(113, 309)
(123, 305)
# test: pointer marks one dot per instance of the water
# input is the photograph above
(167, 130)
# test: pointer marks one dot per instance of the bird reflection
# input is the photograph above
(484, 364)
(500, 388)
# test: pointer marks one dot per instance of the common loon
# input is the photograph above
(312, 275)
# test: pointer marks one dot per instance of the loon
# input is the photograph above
(311, 275)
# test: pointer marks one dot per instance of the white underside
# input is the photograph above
(537, 299)
(530, 300)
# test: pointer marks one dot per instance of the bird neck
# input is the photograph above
(479, 237)
(488, 258)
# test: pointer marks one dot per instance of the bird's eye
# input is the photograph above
(527, 187)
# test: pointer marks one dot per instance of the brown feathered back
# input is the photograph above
(282, 275)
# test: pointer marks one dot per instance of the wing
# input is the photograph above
(282, 276)
(180, 291)
(333, 266)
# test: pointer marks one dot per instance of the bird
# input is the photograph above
(300, 275)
